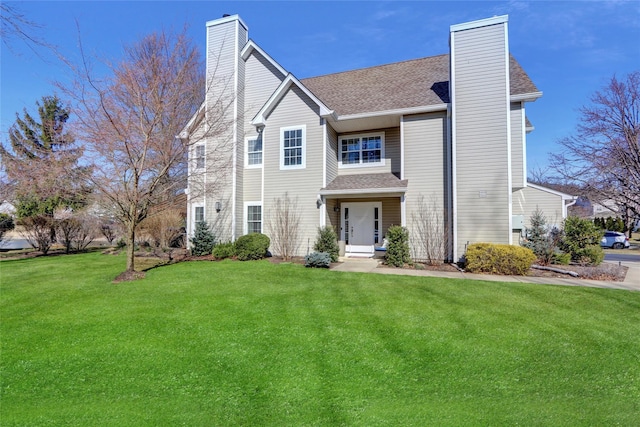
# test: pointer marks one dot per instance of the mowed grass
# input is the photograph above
(231, 343)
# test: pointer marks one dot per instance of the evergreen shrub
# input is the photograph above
(252, 246)
(498, 259)
(224, 250)
(327, 241)
(203, 240)
(398, 246)
(582, 240)
(318, 260)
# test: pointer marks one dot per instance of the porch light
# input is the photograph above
(218, 206)
(336, 208)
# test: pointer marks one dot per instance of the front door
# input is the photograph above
(361, 227)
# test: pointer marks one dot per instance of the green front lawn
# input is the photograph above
(254, 343)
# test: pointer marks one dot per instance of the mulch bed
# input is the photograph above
(605, 271)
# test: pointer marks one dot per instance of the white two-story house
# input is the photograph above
(439, 137)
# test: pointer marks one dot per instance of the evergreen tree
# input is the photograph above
(42, 161)
(538, 238)
(203, 240)
(327, 241)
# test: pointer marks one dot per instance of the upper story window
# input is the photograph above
(198, 214)
(293, 147)
(199, 156)
(254, 152)
(361, 150)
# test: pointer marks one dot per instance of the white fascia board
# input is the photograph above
(479, 23)
(532, 96)
(564, 196)
(396, 112)
(362, 191)
(260, 118)
(226, 19)
(193, 121)
(251, 46)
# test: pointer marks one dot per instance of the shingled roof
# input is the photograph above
(372, 182)
(407, 84)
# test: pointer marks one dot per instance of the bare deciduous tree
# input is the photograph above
(429, 233)
(284, 226)
(131, 122)
(603, 156)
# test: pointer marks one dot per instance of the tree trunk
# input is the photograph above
(131, 240)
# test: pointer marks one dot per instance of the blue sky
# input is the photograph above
(568, 48)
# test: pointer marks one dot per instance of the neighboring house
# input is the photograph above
(553, 204)
(7, 208)
(366, 149)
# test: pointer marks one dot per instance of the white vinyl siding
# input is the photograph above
(518, 166)
(527, 199)
(293, 110)
(262, 79)
(481, 117)
(425, 166)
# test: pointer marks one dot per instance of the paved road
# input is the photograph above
(613, 257)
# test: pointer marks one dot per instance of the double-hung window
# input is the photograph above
(361, 150)
(254, 218)
(254, 152)
(199, 156)
(198, 214)
(293, 147)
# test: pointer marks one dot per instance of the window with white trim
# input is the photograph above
(293, 147)
(361, 150)
(199, 156)
(254, 152)
(198, 214)
(254, 219)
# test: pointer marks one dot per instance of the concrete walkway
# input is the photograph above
(368, 265)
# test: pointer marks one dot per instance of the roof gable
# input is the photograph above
(280, 92)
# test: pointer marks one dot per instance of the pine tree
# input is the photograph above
(42, 161)
(538, 238)
(203, 240)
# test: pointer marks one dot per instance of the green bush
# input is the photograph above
(224, 250)
(580, 234)
(318, 260)
(203, 240)
(252, 246)
(498, 259)
(591, 255)
(327, 241)
(561, 258)
(398, 246)
(539, 239)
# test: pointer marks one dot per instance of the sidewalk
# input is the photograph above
(368, 265)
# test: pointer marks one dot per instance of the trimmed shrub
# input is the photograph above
(580, 234)
(203, 240)
(224, 250)
(327, 241)
(398, 247)
(498, 259)
(318, 260)
(252, 246)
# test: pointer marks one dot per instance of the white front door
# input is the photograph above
(361, 226)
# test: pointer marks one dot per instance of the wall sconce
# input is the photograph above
(336, 208)
(218, 206)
